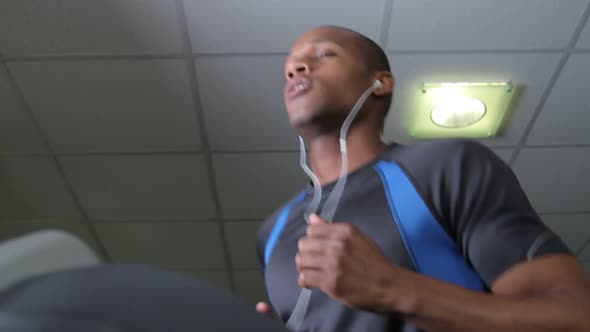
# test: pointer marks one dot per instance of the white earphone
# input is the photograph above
(377, 84)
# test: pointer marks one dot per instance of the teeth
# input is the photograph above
(300, 87)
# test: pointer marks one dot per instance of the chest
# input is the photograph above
(367, 208)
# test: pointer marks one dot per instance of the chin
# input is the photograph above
(310, 125)
(299, 112)
(299, 120)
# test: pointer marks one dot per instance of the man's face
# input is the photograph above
(325, 75)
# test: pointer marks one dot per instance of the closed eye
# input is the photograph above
(325, 54)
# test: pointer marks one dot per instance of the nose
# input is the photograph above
(297, 67)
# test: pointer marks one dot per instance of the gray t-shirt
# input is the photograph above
(473, 195)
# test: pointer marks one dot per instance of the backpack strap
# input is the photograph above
(431, 249)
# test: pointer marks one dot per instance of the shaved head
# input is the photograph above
(372, 54)
(368, 50)
(335, 65)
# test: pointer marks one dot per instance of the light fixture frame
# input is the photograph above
(496, 96)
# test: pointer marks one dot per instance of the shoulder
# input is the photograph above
(431, 163)
(450, 173)
(441, 152)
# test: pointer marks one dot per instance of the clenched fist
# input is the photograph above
(345, 264)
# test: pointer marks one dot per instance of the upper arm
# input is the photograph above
(489, 213)
(551, 274)
(559, 281)
(501, 234)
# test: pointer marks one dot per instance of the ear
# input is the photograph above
(387, 83)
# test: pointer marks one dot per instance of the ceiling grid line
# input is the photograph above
(237, 269)
(215, 55)
(176, 221)
(94, 56)
(476, 51)
(207, 155)
(552, 81)
(583, 247)
(178, 56)
(551, 146)
(582, 212)
(54, 158)
(132, 153)
(234, 152)
(24, 154)
(151, 221)
(385, 24)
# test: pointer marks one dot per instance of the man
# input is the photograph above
(360, 268)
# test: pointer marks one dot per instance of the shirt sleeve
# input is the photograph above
(487, 211)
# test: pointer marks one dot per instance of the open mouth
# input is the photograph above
(297, 88)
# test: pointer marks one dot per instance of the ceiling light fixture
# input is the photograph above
(461, 109)
(458, 112)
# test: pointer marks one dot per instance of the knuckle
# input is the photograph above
(301, 244)
(339, 266)
(336, 249)
(347, 230)
(350, 229)
(345, 247)
(335, 266)
(311, 229)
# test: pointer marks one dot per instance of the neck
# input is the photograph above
(363, 145)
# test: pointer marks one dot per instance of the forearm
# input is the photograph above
(438, 306)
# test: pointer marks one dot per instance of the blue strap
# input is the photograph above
(432, 251)
(277, 229)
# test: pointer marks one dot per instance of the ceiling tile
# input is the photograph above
(32, 188)
(484, 25)
(87, 26)
(251, 186)
(555, 179)
(112, 106)
(573, 229)
(17, 129)
(504, 153)
(586, 265)
(250, 286)
(566, 114)
(241, 238)
(243, 103)
(177, 245)
(584, 40)
(136, 187)
(531, 71)
(218, 279)
(585, 255)
(237, 26)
